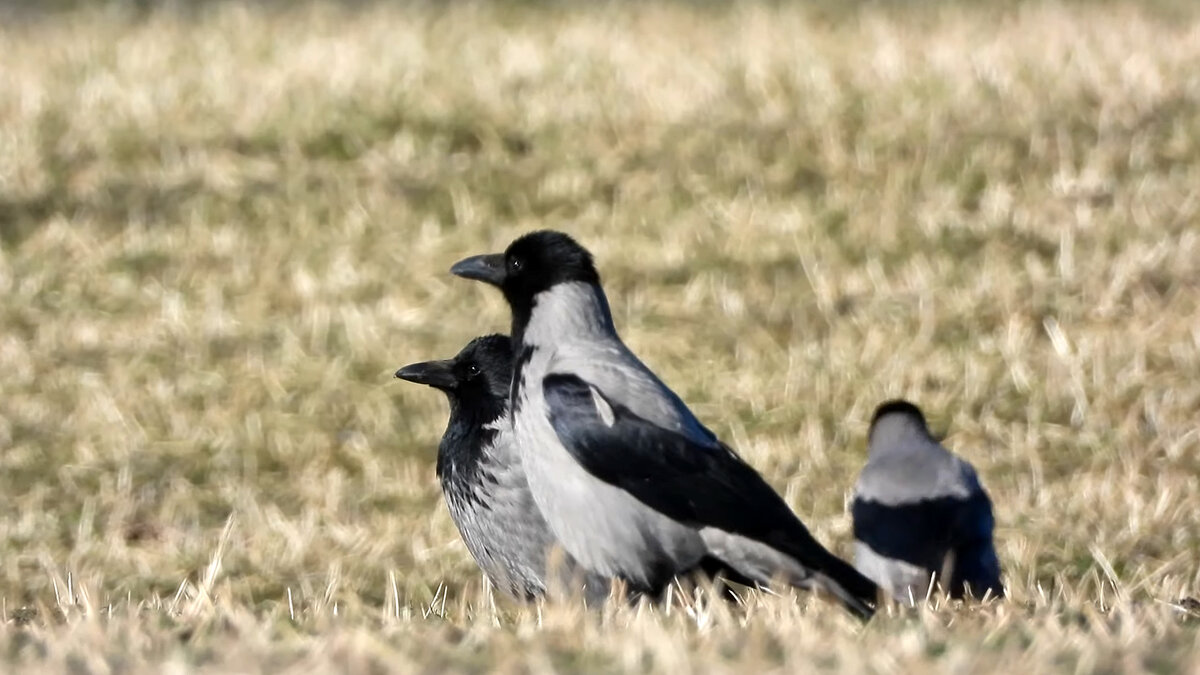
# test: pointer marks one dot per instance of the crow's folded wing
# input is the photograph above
(919, 532)
(977, 565)
(693, 483)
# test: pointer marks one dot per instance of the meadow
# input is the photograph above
(223, 227)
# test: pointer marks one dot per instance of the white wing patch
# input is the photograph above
(602, 407)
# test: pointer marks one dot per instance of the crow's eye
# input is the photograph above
(515, 265)
(472, 370)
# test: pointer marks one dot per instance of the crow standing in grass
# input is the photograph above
(482, 479)
(632, 484)
(920, 513)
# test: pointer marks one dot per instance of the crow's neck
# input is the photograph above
(892, 436)
(471, 431)
(565, 312)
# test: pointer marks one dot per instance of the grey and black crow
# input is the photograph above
(482, 479)
(920, 514)
(632, 484)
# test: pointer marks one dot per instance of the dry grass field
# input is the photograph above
(222, 229)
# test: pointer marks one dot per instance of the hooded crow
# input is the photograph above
(920, 514)
(482, 479)
(632, 484)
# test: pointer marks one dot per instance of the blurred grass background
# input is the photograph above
(223, 226)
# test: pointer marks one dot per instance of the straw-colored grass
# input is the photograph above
(221, 231)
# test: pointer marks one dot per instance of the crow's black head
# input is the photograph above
(901, 411)
(533, 263)
(476, 380)
(542, 259)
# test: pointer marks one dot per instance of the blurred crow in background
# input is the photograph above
(632, 484)
(920, 514)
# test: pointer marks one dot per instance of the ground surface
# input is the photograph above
(222, 231)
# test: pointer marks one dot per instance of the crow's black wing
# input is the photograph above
(700, 485)
(975, 563)
(919, 533)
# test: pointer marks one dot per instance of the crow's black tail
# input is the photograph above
(857, 593)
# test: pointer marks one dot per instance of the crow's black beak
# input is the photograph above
(486, 268)
(438, 374)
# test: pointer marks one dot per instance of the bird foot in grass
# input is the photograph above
(1188, 606)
